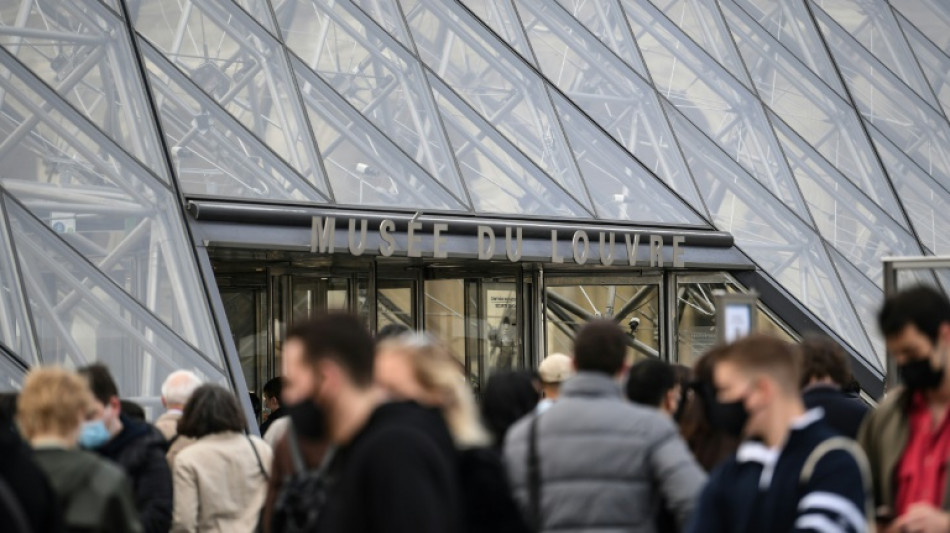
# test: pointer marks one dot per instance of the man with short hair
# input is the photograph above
(394, 467)
(793, 473)
(652, 383)
(137, 447)
(176, 391)
(554, 370)
(825, 374)
(273, 402)
(907, 439)
(601, 463)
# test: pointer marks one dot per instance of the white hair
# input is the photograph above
(179, 386)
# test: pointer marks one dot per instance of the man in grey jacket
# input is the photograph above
(602, 464)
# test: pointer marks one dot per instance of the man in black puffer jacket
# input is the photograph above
(137, 447)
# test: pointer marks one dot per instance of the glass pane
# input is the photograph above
(104, 204)
(926, 202)
(394, 304)
(212, 153)
(260, 10)
(617, 182)
(932, 18)
(713, 100)
(247, 314)
(102, 323)
(790, 24)
(363, 165)
(16, 331)
(82, 50)
(705, 25)
(873, 25)
(500, 179)
(867, 298)
(571, 303)
(889, 105)
(933, 61)
(605, 20)
(240, 66)
(11, 375)
(445, 316)
(375, 75)
(502, 342)
(490, 78)
(386, 14)
(772, 236)
(501, 17)
(844, 216)
(607, 90)
(811, 108)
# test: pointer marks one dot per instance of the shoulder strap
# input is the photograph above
(296, 456)
(12, 503)
(853, 449)
(257, 455)
(534, 475)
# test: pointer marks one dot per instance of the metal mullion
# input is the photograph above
(18, 274)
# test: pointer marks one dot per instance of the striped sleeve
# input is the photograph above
(834, 499)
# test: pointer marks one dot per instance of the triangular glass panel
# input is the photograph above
(713, 100)
(387, 16)
(790, 24)
(845, 217)
(884, 101)
(364, 167)
(212, 153)
(867, 299)
(608, 90)
(873, 25)
(705, 25)
(768, 232)
(82, 50)
(499, 178)
(240, 66)
(617, 182)
(16, 330)
(830, 125)
(501, 17)
(260, 10)
(496, 83)
(925, 201)
(931, 17)
(933, 61)
(102, 202)
(103, 323)
(376, 75)
(605, 20)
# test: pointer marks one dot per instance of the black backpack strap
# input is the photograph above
(534, 476)
(296, 455)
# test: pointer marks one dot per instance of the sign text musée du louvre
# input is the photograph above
(614, 247)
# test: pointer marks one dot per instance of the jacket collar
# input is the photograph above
(591, 384)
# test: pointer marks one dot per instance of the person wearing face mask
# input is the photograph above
(94, 495)
(137, 447)
(792, 473)
(907, 439)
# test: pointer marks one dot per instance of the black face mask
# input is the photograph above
(309, 420)
(919, 375)
(730, 417)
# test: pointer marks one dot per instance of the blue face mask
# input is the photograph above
(93, 434)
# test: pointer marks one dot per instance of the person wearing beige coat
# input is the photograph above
(220, 480)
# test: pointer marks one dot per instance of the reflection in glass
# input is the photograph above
(571, 303)
(394, 304)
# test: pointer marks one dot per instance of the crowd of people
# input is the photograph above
(385, 434)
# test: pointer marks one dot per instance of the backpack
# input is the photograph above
(303, 495)
(487, 503)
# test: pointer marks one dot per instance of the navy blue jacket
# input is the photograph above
(759, 490)
(843, 412)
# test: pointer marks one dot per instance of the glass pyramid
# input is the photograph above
(815, 131)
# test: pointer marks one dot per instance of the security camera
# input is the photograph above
(633, 324)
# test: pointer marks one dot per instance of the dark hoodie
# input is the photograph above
(93, 494)
(140, 450)
(398, 474)
(26, 481)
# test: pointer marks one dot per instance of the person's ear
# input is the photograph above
(115, 404)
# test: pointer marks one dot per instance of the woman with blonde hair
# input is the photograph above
(415, 366)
